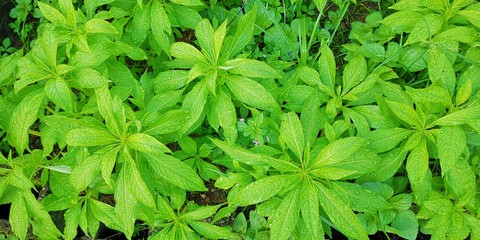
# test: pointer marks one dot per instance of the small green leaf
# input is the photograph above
(104, 213)
(125, 204)
(440, 70)
(360, 198)
(212, 231)
(338, 151)
(382, 140)
(168, 122)
(417, 168)
(405, 113)
(265, 188)
(58, 91)
(340, 214)
(194, 102)
(72, 219)
(407, 224)
(52, 14)
(354, 73)
(187, 52)
(451, 143)
(250, 68)
(292, 133)
(137, 186)
(145, 143)
(244, 32)
(391, 162)
(204, 33)
(200, 213)
(464, 93)
(227, 116)
(99, 26)
(251, 93)
(459, 117)
(308, 75)
(327, 67)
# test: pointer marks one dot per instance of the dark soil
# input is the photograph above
(5, 19)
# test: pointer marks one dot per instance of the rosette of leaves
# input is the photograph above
(303, 184)
(220, 75)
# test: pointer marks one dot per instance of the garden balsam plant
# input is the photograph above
(119, 112)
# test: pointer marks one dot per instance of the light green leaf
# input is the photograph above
(145, 143)
(105, 107)
(227, 115)
(160, 25)
(58, 91)
(360, 198)
(104, 213)
(417, 168)
(402, 21)
(165, 209)
(405, 113)
(338, 151)
(60, 168)
(109, 159)
(218, 38)
(187, 17)
(354, 73)
(340, 214)
(87, 78)
(204, 33)
(85, 137)
(18, 217)
(460, 181)
(327, 67)
(426, 26)
(250, 68)
(187, 52)
(247, 157)
(191, 3)
(463, 93)
(40, 219)
(244, 32)
(24, 115)
(194, 102)
(200, 213)
(451, 143)
(382, 140)
(472, 15)
(251, 93)
(168, 122)
(265, 188)
(212, 231)
(99, 26)
(310, 209)
(125, 204)
(308, 75)
(407, 224)
(459, 117)
(83, 174)
(292, 133)
(175, 172)
(285, 218)
(434, 94)
(72, 219)
(388, 166)
(52, 14)
(440, 70)
(137, 186)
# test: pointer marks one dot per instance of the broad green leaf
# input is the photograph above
(360, 198)
(52, 14)
(72, 219)
(407, 224)
(186, 16)
(211, 80)
(459, 117)
(105, 107)
(251, 93)
(338, 151)
(227, 116)
(218, 38)
(405, 113)
(58, 91)
(169, 80)
(212, 231)
(266, 188)
(354, 73)
(145, 143)
(310, 209)
(104, 213)
(388, 166)
(451, 143)
(327, 67)
(18, 217)
(168, 122)
(472, 15)
(459, 34)
(24, 115)
(192, 3)
(138, 28)
(194, 102)
(85, 137)
(250, 68)
(417, 168)
(244, 32)
(308, 75)
(292, 133)
(40, 219)
(137, 186)
(382, 140)
(402, 21)
(200, 213)
(463, 93)
(434, 94)
(84, 173)
(312, 118)
(205, 33)
(285, 218)
(187, 52)
(87, 78)
(125, 204)
(460, 181)
(247, 157)
(340, 214)
(165, 209)
(99, 26)
(160, 26)
(440, 70)
(175, 172)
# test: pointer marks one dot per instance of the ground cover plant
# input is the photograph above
(261, 119)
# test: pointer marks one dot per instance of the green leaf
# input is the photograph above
(340, 214)
(145, 143)
(137, 186)
(250, 68)
(292, 133)
(165, 209)
(434, 94)
(244, 32)
(407, 224)
(354, 73)
(247, 157)
(251, 93)
(18, 217)
(200, 213)
(160, 25)
(440, 70)
(125, 204)
(460, 181)
(327, 67)
(191, 3)
(85, 137)
(40, 219)
(194, 102)
(227, 115)
(24, 115)
(285, 218)
(310, 209)
(463, 93)
(87, 78)
(187, 52)
(402, 21)
(472, 15)
(417, 168)
(308, 75)
(451, 143)
(204, 33)
(211, 231)
(460, 117)
(104, 213)
(175, 172)
(83, 174)
(186, 16)
(105, 106)
(360, 198)
(218, 38)
(265, 188)
(338, 151)
(52, 14)
(72, 219)
(99, 26)
(138, 28)
(391, 162)
(427, 26)
(168, 122)
(382, 140)
(108, 163)
(58, 91)
(405, 113)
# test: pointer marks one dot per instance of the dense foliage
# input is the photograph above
(120, 113)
